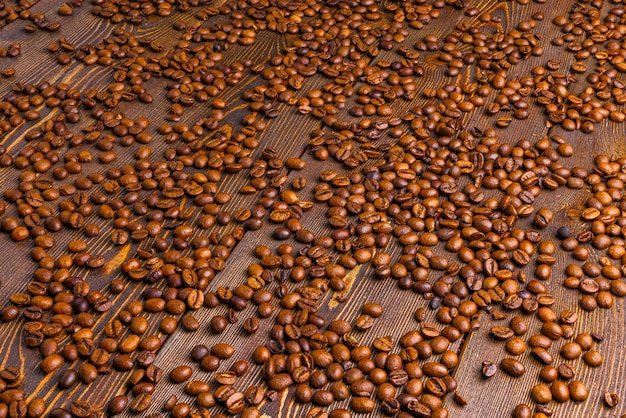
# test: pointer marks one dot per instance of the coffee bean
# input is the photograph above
(87, 373)
(541, 393)
(560, 391)
(522, 411)
(518, 325)
(488, 369)
(251, 325)
(80, 409)
(548, 374)
(372, 309)
(578, 391)
(141, 402)
(611, 399)
(566, 371)
(593, 358)
(222, 350)
(571, 350)
(515, 346)
(512, 367)
(542, 355)
(180, 374)
(362, 405)
(364, 322)
(117, 404)
(60, 413)
(502, 333)
(68, 379)
(51, 363)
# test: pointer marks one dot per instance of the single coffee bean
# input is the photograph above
(51, 363)
(68, 379)
(488, 369)
(251, 325)
(560, 391)
(118, 404)
(198, 352)
(222, 350)
(141, 402)
(566, 371)
(458, 399)
(593, 358)
(60, 413)
(36, 408)
(180, 374)
(522, 411)
(196, 387)
(502, 333)
(515, 346)
(578, 391)
(80, 409)
(372, 309)
(571, 350)
(611, 399)
(542, 355)
(541, 393)
(512, 367)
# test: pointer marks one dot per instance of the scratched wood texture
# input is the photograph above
(288, 134)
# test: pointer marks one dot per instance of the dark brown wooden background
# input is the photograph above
(289, 134)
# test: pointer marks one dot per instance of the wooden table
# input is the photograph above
(288, 134)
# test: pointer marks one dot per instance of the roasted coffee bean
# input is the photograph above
(542, 355)
(611, 399)
(560, 391)
(578, 391)
(593, 358)
(251, 325)
(571, 350)
(80, 408)
(488, 369)
(199, 352)
(372, 309)
(141, 402)
(522, 411)
(566, 371)
(512, 367)
(362, 405)
(60, 413)
(51, 363)
(68, 379)
(180, 374)
(541, 393)
(223, 350)
(36, 407)
(515, 346)
(502, 333)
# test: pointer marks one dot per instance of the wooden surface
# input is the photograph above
(288, 134)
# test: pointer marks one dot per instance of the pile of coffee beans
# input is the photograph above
(405, 177)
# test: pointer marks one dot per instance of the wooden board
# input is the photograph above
(288, 134)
